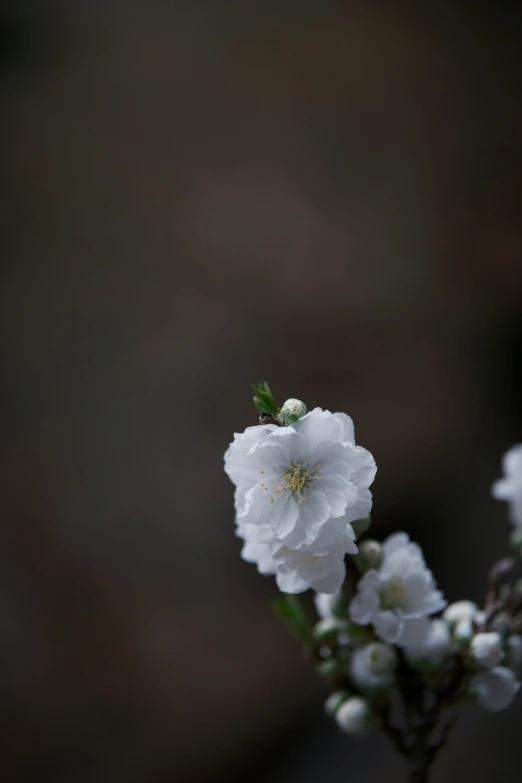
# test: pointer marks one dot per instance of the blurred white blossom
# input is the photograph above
(355, 716)
(487, 649)
(495, 690)
(509, 488)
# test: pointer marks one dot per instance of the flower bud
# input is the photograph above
(501, 623)
(328, 628)
(292, 410)
(460, 610)
(355, 717)
(514, 653)
(486, 649)
(516, 539)
(373, 666)
(334, 701)
(361, 525)
(370, 555)
(464, 632)
(495, 690)
(434, 650)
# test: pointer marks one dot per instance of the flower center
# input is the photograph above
(297, 478)
(392, 594)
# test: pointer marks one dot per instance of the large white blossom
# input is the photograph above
(398, 598)
(509, 488)
(298, 488)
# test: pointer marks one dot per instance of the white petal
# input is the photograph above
(332, 582)
(319, 426)
(414, 632)
(290, 582)
(338, 492)
(388, 626)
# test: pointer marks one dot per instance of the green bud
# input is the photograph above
(360, 526)
(334, 701)
(370, 555)
(329, 667)
(516, 539)
(292, 410)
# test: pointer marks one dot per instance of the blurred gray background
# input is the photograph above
(201, 195)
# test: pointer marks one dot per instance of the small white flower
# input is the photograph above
(292, 481)
(486, 649)
(509, 488)
(355, 717)
(435, 648)
(460, 610)
(398, 597)
(373, 666)
(326, 603)
(495, 690)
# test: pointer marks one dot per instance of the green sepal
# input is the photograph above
(264, 399)
(291, 612)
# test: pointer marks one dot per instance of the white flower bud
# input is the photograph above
(486, 649)
(334, 701)
(514, 653)
(501, 623)
(460, 610)
(329, 627)
(355, 717)
(464, 631)
(434, 650)
(292, 410)
(495, 690)
(373, 666)
(370, 555)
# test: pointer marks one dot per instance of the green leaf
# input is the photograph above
(264, 399)
(290, 610)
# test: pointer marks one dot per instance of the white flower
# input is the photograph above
(460, 610)
(398, 597)
(326, 603)
(435, 648)
(291, 481)
(373, 666)
(486, 649)
(509, 488)
(355, 717)
(495, 690)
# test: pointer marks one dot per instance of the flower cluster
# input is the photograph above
(299, 488)
(385, 633)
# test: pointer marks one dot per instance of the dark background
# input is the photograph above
(200, 195)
